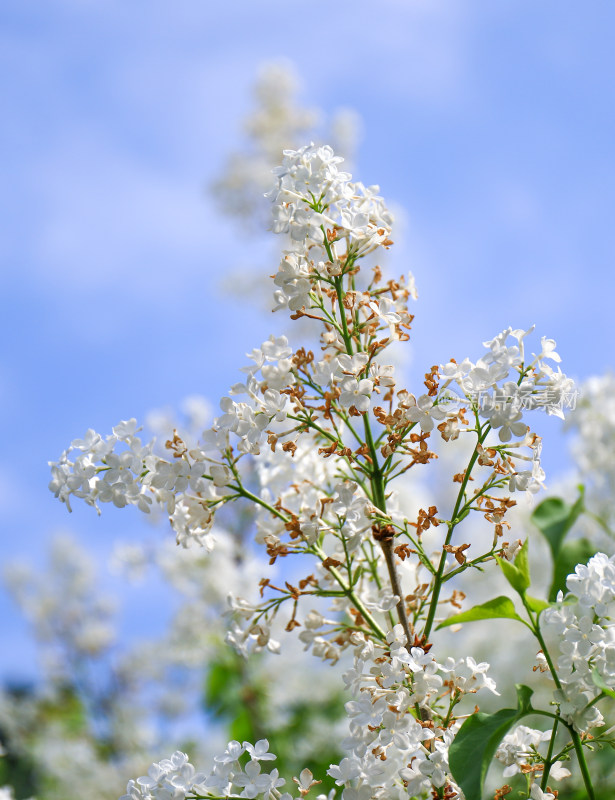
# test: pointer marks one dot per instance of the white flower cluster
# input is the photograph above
(584, 623)
(345, 508)
(502, 385)
(327, 436)
(277, 121)
(518, 752)
(323, 211)
(244, 634)
(97, 473)
(265, 405)
(536, 384)
(233, 775)
(391, 753)
(170, 779)
(121, 470)
(310, 177)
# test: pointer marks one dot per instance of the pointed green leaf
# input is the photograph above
(474, 746)
(499, 608)
(462, 516)
(517, 579)
(522, 563)
(599, 682)
(554, 518)
(524, 699)
(511, 573)
(426, 562)
(578, 551)
(536, 604)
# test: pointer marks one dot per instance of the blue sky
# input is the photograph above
(491, 124)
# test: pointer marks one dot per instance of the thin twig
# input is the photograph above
(386, 536)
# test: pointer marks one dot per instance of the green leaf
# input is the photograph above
(517, 578)
(524, 702)
(578, 551)
(599, 682)
(474, 746)
(426, 562)
(536, 604)
(462, 516)
(554, 518)
(499, 608)
(522, 563)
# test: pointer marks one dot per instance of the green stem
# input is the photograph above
(376, 476)
(576, 739)
(549, 759)
(452, 525)
(587, 780)
(468, 564)
(600, 522)
(348, 591)
(243, 492)
(543, 645)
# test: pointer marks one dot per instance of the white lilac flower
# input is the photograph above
(253, 782)
(518, 747)
(424, 411)
(559, 772)
(468, 676)
(536, 793)
(312, 195)
(585, 631)
(365, 712)
(594, 584)
(170, 779)
(99, 473)
(347, 770)
(350, 365)
(192, 520)
(356, 393)
(502, 407)
(259, 751)
(501, 386)
(384, 308)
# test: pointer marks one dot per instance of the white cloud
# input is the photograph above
(115, 186)
(104, 214)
